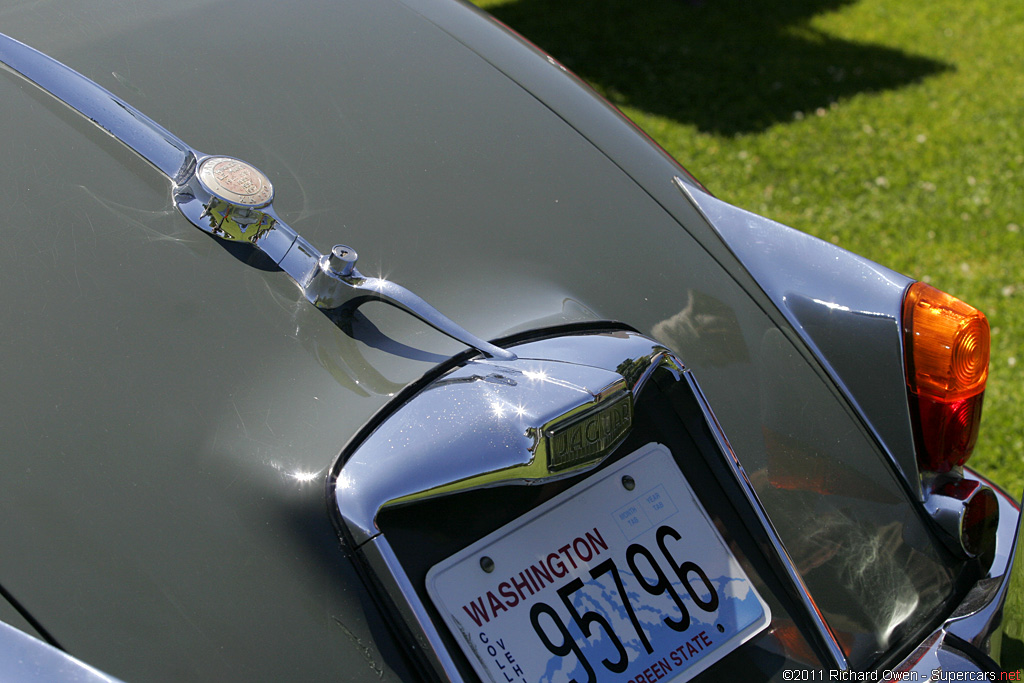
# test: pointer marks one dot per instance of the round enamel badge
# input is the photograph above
(236, 182)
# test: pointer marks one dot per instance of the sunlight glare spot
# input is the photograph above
(304, 477)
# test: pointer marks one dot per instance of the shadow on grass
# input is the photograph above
(726, 66)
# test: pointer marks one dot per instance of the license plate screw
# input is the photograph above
(487, 564)
(628, 483)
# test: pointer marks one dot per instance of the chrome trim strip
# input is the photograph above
(226, 197)
(388, 571)
(24, 658)
(110, 113)
(933, 657)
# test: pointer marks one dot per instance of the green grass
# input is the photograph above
(890, 128)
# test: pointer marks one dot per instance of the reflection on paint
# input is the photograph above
(705, 332)
(856, 541)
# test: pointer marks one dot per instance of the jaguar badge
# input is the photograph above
(587, 437)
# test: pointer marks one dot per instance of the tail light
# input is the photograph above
(946, 345)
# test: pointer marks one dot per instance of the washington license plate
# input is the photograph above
(621, 578)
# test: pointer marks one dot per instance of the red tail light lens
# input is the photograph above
(947, 431)
(946, 344)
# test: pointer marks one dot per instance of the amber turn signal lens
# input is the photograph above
(947, 343)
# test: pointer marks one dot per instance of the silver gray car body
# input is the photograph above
(174, 408)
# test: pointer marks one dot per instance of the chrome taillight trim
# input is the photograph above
(948, 505)
(979, 619)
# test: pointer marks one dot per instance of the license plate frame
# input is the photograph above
(509, 598)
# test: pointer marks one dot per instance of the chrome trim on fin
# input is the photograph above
(836, 311)
(223, 196)
(26, 658)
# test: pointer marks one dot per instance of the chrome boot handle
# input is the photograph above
(226, 197)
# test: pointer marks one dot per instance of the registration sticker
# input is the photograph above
(621, 578)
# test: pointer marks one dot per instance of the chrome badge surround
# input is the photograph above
(488, 423)
(226, 197)
(489, 418)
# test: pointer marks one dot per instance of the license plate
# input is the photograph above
(620, 578)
